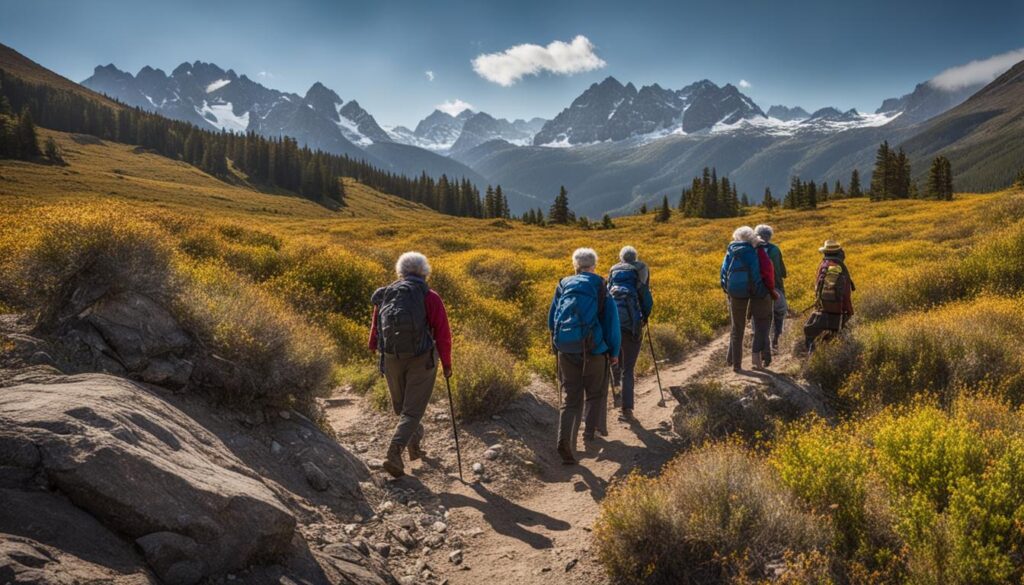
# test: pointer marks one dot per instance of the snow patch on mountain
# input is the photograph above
(223, 117)
(351, 129)
(217, 85)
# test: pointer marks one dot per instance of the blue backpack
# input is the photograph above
(623, 286)
(741, 272)
(577, 314)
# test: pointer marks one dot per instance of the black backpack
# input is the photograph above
(402, 328)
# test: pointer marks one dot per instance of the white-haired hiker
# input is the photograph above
(748, 280)
(584, 325)
(781, 307)
(629, 283)
(410, 330)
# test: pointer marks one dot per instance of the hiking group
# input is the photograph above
(597, 329)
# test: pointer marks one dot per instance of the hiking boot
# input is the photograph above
(415, 449)
(567, 457)
(393, 463)
(589, 437)
(755, 359)
(766, 358)
(626, 415)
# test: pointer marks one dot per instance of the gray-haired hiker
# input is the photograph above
(584, 325)
(410, 329)
(629, 283)
(780, 308)
(748, 280)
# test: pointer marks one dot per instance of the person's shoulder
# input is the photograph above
(434, 297)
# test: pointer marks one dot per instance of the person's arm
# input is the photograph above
(848, 297)
(373, 329)
(437, 318)
(782, 264)
(767, 269)
(725, 272)
(610, 326)
(646, 300)
(551, 310)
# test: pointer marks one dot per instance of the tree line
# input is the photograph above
(708, 197)
(271, 161)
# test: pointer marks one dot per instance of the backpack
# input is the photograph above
(577, 314)
(741, 276)
(832, 288)
(623, 286)
(402, 328)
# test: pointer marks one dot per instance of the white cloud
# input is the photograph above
(454, 107)
(429, 74)
(744, 84)
(561, 58)
(265, 74)
(982, 71)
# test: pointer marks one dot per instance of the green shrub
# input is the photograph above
(486, 379)
(329, 280)
(284, 359)
(502, 277)
(715, 513)
(713, 410)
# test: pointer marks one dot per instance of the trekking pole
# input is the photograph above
(455, 428)
(654, 358)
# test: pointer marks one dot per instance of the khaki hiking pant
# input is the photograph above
(579, 385)
(410, 383)
(739, 311)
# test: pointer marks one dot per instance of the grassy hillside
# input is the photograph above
(498, 276)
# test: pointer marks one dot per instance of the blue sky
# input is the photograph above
(795, 52)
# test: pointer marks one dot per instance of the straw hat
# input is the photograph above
(830, 246)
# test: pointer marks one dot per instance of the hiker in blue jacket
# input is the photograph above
(629, 284)
(584, 325)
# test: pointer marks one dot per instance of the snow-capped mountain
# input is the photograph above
(612, 111)
(212, 98)
(926, 101)
(787, 114)
(482, 127)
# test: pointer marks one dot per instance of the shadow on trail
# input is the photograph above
(506, 517)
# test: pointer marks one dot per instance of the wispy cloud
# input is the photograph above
(266, 74)
(429, 74)
(561, 58)
(454, 107)
(981, 71)
(744, 84)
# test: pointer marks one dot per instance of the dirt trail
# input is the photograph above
(541, 534)
(532, 541)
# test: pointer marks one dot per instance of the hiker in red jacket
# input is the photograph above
(410, 330)
(761, 312)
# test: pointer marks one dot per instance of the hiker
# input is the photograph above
(833, 295)
(410, 330)
(748, 279)
(780, 308)
(629, 284)
(584, 327)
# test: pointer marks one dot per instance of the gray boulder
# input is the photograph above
(147, 471)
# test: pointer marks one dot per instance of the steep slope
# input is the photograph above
(17, 64)
(983, 137)
(926, 101)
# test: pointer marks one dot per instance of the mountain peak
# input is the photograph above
(610, 82)
(319, 92)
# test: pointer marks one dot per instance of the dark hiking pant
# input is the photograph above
(822, 325)
(623, 374)
(579, 385)
(410, 383)
(779, 311)
(760, 310)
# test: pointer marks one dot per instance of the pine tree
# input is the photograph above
(52, 151)
(823, 192)
(883, 174)
(1020, 180)
(838, 192)
(936, 182)
(664, 212)
(855, 184)
(901, 174)
(559, 213)
(606, 222)
(502, 203)
(769, 201)
(947, 179)
(643, 209)
(811, 197)
(490, 208)
(745, 201)
(25, 136)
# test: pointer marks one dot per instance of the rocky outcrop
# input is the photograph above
(148, 471)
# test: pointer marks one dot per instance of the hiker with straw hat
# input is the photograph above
(833, 295)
